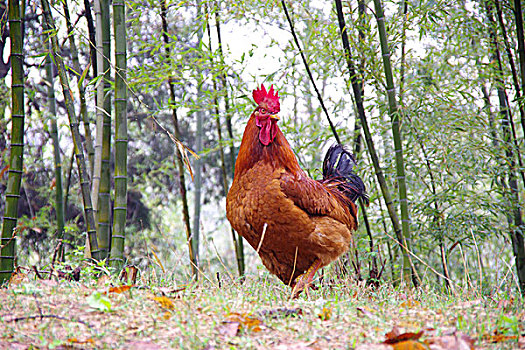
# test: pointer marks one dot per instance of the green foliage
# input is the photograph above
(451, 136)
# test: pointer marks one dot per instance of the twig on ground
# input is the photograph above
(25, 318)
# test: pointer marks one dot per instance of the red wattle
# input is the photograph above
(265, 133)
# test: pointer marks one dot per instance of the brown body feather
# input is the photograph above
(306, 220)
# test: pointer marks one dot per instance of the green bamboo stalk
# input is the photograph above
(121, 138)
(239, 248)
(100, 191)
(73, 124)
(509, 144)
(180, 164)
(408, 266)
(394, 116)
(59, 199)
(16, 155)
(88, 143)
(403, 53)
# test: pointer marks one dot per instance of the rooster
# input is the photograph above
(296, 224)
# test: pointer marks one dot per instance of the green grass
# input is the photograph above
(256, 314)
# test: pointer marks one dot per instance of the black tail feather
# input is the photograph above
(338, 168)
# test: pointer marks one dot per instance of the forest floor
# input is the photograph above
(257, 314)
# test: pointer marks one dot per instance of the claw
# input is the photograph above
(305, 280)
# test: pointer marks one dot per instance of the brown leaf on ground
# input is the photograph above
(498, 338)
(17, 277)
(325, 314)
(395, 336)
(120, 289)
(246, 321)
(77, 341)
(165, 302)
(409, 345)
(410, 303)
(456, 341)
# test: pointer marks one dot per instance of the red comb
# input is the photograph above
(270, 98)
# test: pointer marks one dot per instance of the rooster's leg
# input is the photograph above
(303, 281)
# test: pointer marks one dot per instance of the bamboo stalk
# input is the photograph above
(180, 164)
(59, 199)
(116, 259)
(356, 87)
(394, 116)
(16, 154)
(100, 191)
(88, 143)
(73, 123)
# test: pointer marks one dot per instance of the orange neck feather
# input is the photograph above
(278, 152)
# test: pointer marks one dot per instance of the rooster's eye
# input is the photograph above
(263, 111)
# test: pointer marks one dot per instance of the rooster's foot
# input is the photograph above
(304, 281)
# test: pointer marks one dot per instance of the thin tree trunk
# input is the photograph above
(198, 186)
(88, 142)
(73, 123)
(16, 155)
(101, 178)
(395, 118)
(356, 87)
(180, 164)
(59, 198)
(92, 38)
(521, 43)
(121, 138)
(239, 248)
(221, 147)
(516, 235)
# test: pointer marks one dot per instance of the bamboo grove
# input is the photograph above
(125, 117)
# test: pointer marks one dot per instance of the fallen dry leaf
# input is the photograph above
(499, 338)
(165, 302)
(77, 341)
(17, 277)
(119, 289)
(409, 345)
(325, 314)
(395, 336)
(246, 321)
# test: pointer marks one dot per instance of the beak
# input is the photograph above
(275, 117)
